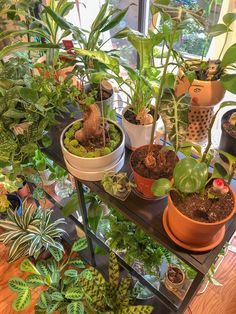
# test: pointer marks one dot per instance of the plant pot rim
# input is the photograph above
(132, 154)
(200, 223)
(183, 273)
(136, 125)
(201, 81)
(224, 119)
(94, 158)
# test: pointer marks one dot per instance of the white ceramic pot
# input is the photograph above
(136, 135)
(93, 165)
(95, 175)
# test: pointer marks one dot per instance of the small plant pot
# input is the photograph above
(227, 141)
(191, 234)
(170, 283)
(63, 188)
(93, 169)
(136, 135)
(24, 192)
(203, 93)
(44, 175)
(199, 120)
(107, 103)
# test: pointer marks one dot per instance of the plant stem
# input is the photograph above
(226, 38)
(158, 100)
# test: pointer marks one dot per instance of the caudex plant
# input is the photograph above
(69, 288)
(191, 180)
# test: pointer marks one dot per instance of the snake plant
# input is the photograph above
(31, 232)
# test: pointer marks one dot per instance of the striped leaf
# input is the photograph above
(42, 268)
(34, 280)
(23, 250)
(74, 293)
(22, 301)
(9, 236)
(114, 273)
(77, 263)
(75, 308)
(71, 273)
(17, 284)
(52, 307)
(122, 294)
(43, 300)
(56, 253)
(79, 245)
(139, 309)
(29, 267)
(23, 239)
(8, 225)
(34, 245)
(57, 296)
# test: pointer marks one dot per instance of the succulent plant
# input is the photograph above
(31, 232)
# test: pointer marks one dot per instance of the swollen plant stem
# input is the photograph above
(158, 100)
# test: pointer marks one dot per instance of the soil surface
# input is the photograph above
(104, 95)
(165, 163)
(229, 128)
(131, 116)
(202, 208)
(175, 274)
(95, 142)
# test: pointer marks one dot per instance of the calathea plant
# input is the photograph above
(31, 232)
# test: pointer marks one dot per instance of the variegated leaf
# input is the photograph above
(34, 280)
(139, 309)
(75, 308)
(122, 294)
(29, 267)
(17, 284)
(74, 293)
(22, 301)
(114, 273)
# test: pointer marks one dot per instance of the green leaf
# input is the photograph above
(229, 82)
(95, 212)
(17, 284)
(217, 30)
(43, 300)
(22, 301)
(113, 271)
(29, 95)
(74, 293)
(138, 309)
(75, 308)
(218, 171)
(231, 158)
(13, 113)
(87, 274)
(229, 56)
(123, 33)
(229, 18)
(116, 20)
(34, 280)
(161, 187)
(77, 263)
(79, 245)
(57, 296)
(42, 268)
(29, 267)
(71, 273)
(100, 16)
(56, 253)
(60, 21)
(71, 206)
(46, 141)
(190, 175)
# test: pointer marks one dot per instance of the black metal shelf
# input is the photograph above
(148, 216)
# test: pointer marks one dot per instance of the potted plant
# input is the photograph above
(117, 184)
(74, 289)
(41, 164)
(200, 227)
(92, 146)
(30, 233)
(228, 135)
(63, 186)
(174, 279)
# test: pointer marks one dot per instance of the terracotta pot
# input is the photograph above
(136, 135)
(171, 285)
(24, 191)
(192, 232)
(143, 184)
(203, 93)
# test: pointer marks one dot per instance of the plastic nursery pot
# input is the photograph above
(192, 234)
(106, 103)
(169, 284)
(143, 184)
(136, 135)
(44, 175)
(93, 169)
(16, 202)
(203, 93)
(227, 141)
(199, 120)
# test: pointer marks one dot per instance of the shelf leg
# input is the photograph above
(193, 288)
(82, 205)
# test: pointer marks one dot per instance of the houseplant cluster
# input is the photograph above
(43, 74)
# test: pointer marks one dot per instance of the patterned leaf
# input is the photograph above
(114, 273)
(56, 253)
(42, 268)
(139, 309)
(71, 273)
(17, 284)
(80, 245)
(22, 301)
(57, 296)
(74, 293)
(43, 300)
(77, 263)
(34, 280)
(123, 292)
(29, 267)
(52, 307)
(75, 308)
(87, 274)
